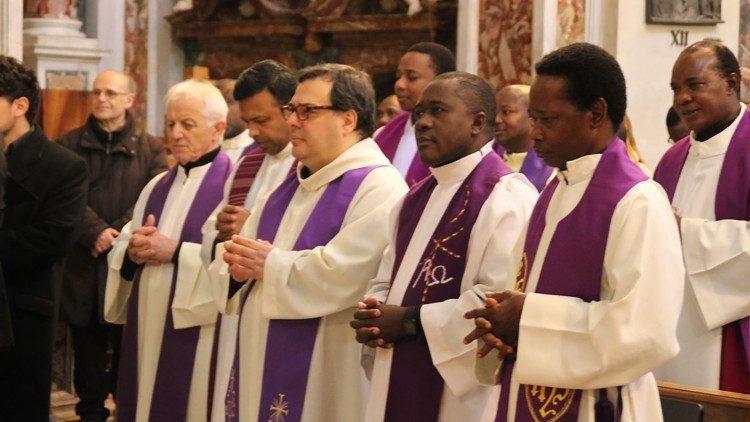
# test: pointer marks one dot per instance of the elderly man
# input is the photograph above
(705, 176)
(417, 67)
(260, 91)
(45, 198)
(297, 358)
(599, 286)
(155, 267)
(237, 141)
(477, 206)
(512, 135)
(121, 160)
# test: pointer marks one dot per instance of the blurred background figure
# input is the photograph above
(237, 139)
(676, 127)
(626, 134)
(388, 108)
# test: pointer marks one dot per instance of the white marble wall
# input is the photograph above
(11, 28)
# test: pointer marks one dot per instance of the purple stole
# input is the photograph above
(177, 356)
(732, 203)
(588, 224)
(437, 278)
(290, 342)
(533, 167)
(388, 140)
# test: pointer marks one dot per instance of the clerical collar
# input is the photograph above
(717, 144)
(202, 161)
(460, 169)
(579, 169)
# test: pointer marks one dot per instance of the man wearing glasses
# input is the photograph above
(121, 160)
(305, 256)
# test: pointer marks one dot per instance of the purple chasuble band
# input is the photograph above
(587, 224)
(290, 343)
(732, 203)
(388, 140)
(437, 278)
(172, 384)
(533, 167)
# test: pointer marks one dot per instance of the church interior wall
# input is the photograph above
(646, 53)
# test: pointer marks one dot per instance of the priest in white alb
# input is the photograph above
(260, 92)
(707, 178)
(155, 268)
(595, 302)
(450, 240)
(305, 256)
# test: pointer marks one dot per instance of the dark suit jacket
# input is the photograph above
(45, 197)
(120, 165)
(6, 330)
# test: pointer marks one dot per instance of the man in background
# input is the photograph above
(121, 160)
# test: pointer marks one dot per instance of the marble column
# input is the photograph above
(11, 28)
(55, 46)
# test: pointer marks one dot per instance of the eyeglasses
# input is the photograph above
(303, 111)
(108, 93)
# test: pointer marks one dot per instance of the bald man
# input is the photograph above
(512, 140)
(121, 160)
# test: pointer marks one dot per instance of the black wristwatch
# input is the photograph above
(412, 323)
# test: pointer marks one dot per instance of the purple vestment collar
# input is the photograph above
(587, 224)
(290, 343)
(172, 385)
(388, 140)
(437, 278)
(533, 167)
(732, 203)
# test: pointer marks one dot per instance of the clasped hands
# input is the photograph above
(497, 323)
(378, 324)
(148, 246)
(104, 241)
(230, 220)
(246, 257)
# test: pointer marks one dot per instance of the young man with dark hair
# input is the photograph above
(305, 256)
(417, 67)
(260, 92)
(599, 286)
(450, 240)
(45, 198)
(706, 178)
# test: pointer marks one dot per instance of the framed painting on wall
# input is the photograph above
(684, 12)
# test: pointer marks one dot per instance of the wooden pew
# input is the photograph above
(718, 406)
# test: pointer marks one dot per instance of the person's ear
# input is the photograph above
(733, 83)
(478, 123)
(20, 106)
(598, 113)
(350, 120)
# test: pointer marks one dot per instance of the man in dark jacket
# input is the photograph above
(6, 329)
(121, 161)
(45, 196)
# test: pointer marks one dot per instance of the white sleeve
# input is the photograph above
(493, 237)
(117, 290)
(380, 286)
(566, 342)
(331, 278)
(193, 303)
(717, 258)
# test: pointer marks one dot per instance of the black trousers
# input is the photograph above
(93, 378)
(26, 369)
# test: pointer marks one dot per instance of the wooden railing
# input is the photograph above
(718, 406)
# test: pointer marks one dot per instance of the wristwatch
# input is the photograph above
(411, 321)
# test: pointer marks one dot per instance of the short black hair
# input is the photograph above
(672, 117)
(352, 90)
(726, 62)
(590, 73)
(267, 74)
(16, 81)
(442, 59)
(476, 93)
